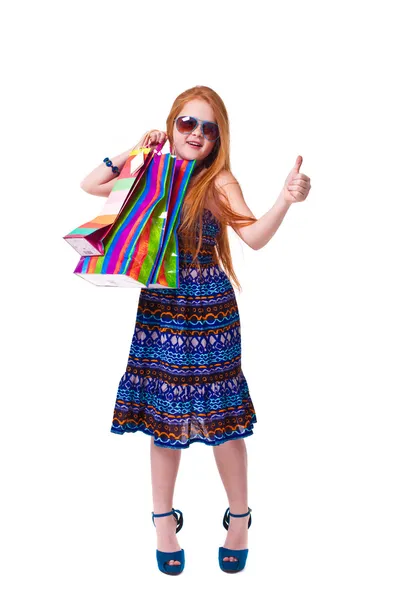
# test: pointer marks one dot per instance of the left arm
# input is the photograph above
(258, 234)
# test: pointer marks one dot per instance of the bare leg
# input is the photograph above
(231, 459)
(164, 471)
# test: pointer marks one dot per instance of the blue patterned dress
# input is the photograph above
(184, 382)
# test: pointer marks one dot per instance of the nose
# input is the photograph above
(199, 132)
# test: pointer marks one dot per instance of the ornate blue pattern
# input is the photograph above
(184, 382)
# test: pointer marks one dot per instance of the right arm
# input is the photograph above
(101, 180)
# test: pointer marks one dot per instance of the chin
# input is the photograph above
(190, 154)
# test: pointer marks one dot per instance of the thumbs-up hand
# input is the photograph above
(297, 185)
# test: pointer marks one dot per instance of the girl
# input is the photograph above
(183, 381)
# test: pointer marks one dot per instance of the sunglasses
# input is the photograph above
(187, 125)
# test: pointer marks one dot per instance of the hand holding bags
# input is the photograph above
(138, 250)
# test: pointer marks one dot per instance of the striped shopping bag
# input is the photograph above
(142, 229)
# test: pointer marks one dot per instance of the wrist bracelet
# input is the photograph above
(109, 164)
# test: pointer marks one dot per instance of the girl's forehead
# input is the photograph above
(198, 108)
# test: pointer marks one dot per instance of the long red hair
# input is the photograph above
(205, 186)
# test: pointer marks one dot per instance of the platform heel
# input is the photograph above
(241, 555)
(164, 557)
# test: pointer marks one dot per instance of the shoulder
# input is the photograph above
(228, 188)
(224, 178)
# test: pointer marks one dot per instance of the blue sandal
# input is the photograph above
(164, 557)
(241, 555)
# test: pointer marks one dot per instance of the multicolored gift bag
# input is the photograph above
(133, 244)
(89, 238)
(166, 269)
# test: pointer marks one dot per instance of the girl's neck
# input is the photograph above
(198, 168)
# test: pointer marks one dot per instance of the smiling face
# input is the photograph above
(182, 148)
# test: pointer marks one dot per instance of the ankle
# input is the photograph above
(165, 522)
(161, 510)
(239, 509)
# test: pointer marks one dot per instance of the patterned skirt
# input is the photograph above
(183, 381)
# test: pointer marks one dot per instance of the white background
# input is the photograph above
(319, 307)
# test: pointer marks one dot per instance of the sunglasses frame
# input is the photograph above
(195, 127)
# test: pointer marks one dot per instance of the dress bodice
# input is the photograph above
(211, 228)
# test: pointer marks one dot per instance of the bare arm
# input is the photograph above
(258, 234)
(101, 180)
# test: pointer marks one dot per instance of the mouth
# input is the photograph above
(194, 145)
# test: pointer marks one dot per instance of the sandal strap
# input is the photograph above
(228, 514)
(242, 515)
(179, 520)
(171, 512)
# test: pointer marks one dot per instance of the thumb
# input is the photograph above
(297, 164)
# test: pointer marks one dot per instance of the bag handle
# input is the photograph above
(156, 150)
(161, 145)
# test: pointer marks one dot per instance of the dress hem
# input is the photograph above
(183, 447)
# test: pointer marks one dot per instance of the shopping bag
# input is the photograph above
(89, 238)
(166, 268)
(132, 248)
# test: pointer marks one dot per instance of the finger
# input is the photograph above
(298, 196)
(298, 179)
(300, 185)
(301, 176)
(297, 190)
(297, 164)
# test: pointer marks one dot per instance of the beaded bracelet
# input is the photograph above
(109, 164)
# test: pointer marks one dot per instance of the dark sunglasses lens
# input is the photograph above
(185, 124)
(211, 131)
